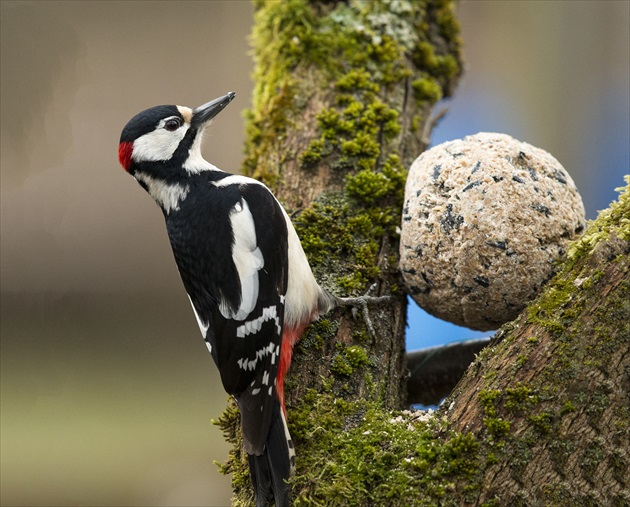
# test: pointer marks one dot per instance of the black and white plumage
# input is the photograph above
(243, 267)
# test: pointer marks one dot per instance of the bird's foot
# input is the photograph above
(362, 302)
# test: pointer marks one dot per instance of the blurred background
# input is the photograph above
(107, 388)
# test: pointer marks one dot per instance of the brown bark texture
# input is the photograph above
(343, 100)
(549, 399)
(343, 92)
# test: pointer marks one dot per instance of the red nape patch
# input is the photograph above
(124, 154)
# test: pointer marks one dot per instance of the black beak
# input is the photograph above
(209, 110)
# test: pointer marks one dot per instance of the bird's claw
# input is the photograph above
(362, 302)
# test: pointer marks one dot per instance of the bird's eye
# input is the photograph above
(172, 124)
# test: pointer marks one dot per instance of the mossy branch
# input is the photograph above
(344, 90)
(540, 418)
(548, 399)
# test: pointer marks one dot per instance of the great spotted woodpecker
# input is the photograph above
(249, 282)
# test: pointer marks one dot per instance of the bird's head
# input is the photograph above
(163, 140)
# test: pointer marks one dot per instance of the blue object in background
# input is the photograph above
(502, 91)
(424, 330)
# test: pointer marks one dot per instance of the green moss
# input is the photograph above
(567, 408)
(368, 186)
(357, 454)
(520, 361)
(427, 89)
(424, 56)
(313, 154)
(542, 422)
(520, 398)
(558, 307)
(318, 334)
(348, 359)
(351, 45)
(547, 307)
(363, 146)
(362, 337)
(336, 227)
(357, 79)
(616, 218)
(497, 427)
(489, 400)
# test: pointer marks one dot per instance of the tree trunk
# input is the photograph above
(343, 97)
(549, 399)
(343, 92)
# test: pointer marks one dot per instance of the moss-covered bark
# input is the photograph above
(549, 400)
(541, 417)
(344, 90)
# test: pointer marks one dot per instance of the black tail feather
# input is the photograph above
(271, 470)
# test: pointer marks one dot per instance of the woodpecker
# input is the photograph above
(249, 282)
(247, 277)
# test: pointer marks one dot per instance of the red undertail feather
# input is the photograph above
(290, 336)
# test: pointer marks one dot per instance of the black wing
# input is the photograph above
(230, 245)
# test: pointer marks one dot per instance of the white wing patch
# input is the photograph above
(253, 326)
(247, 258)
(302, 288)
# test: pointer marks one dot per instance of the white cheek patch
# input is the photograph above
(158, 145)
(247, 258)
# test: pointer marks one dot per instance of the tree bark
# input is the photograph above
(343, 92)
(342, 103)
(337, 117)
(549, 400)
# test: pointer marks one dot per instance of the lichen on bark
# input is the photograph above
(540, 418)
(548, 399)
(343, 90)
